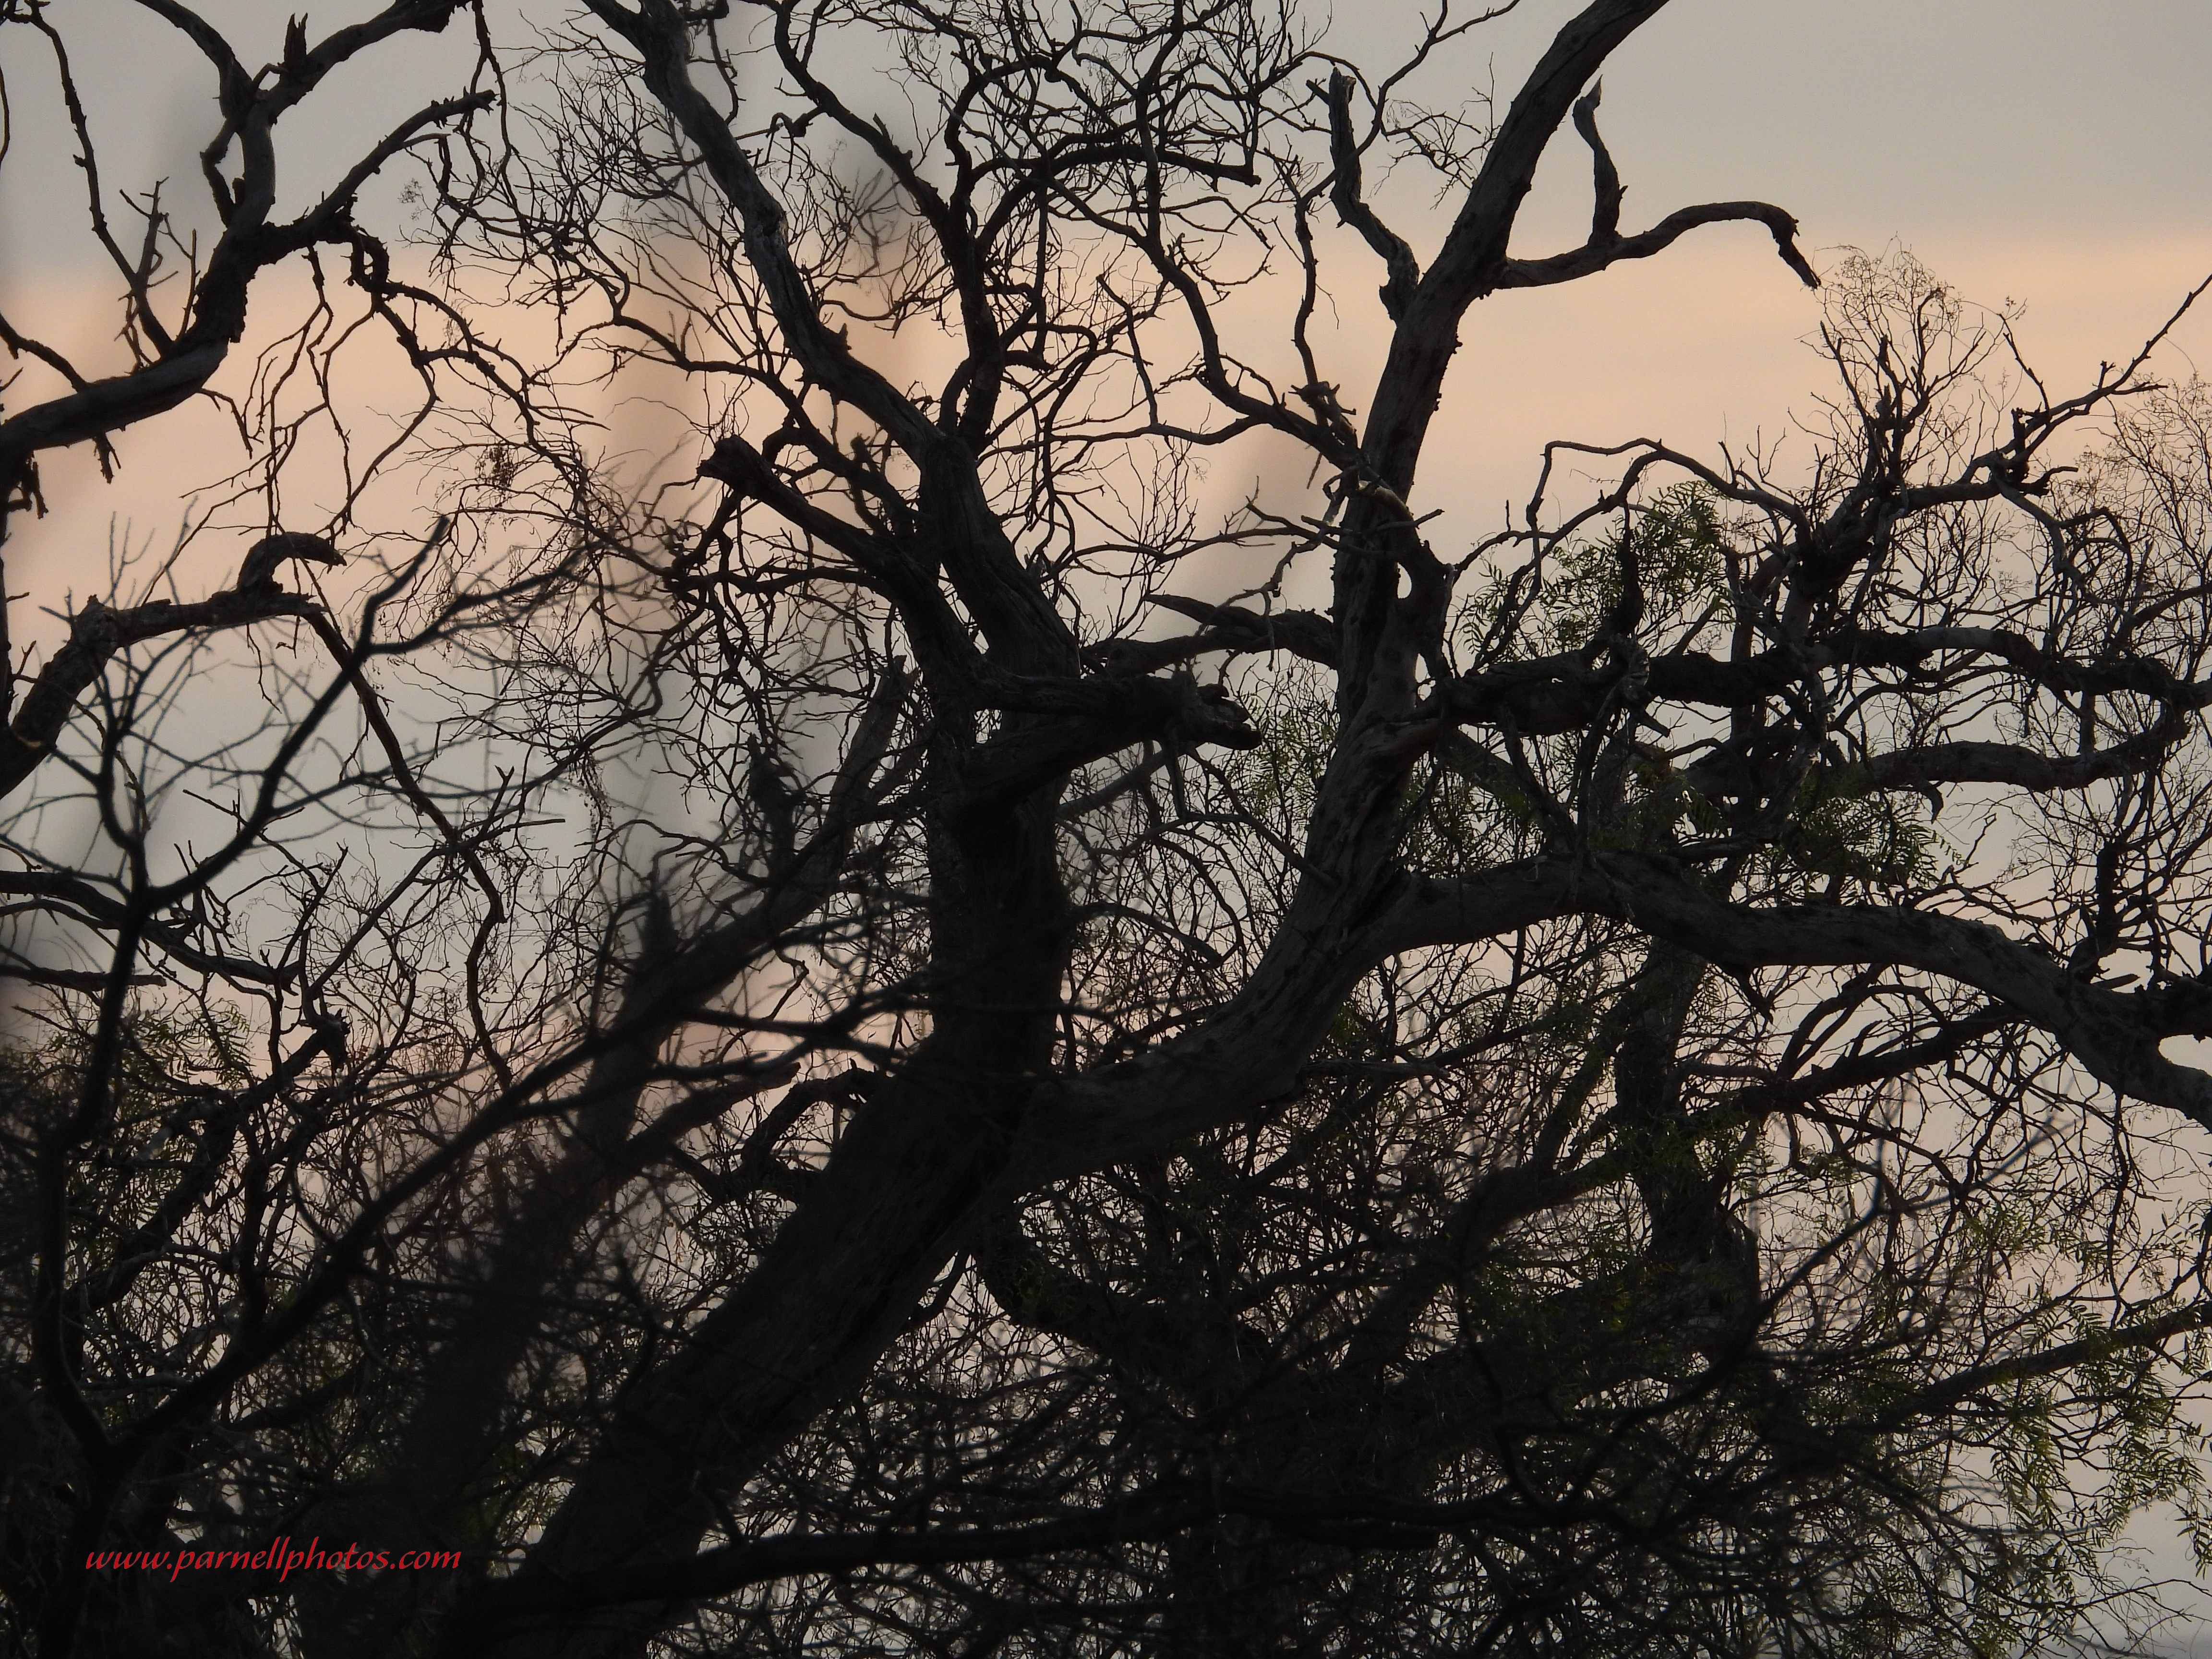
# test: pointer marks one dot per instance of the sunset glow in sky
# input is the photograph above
(2034, 151)
(2046, 156)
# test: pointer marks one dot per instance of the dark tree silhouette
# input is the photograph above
(837, 1082)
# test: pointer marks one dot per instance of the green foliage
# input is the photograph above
(1677, 541)
(1280, 777)
(165, 1061)
(1874, 840)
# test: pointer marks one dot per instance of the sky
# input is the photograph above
(2045, 152)
(2050, 152)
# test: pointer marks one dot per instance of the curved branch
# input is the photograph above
(96, 633)
(2005, 762)
(1598, 252)
(1405, 272)
(2114, 1034)
(1250, 1051)
(1606, 188)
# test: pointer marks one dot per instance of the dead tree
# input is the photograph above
(913, 1105)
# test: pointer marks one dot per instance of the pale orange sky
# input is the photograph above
(2051, 152)
(2044, 151)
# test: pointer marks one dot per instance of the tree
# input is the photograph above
(174, 345)
(1601, 1089)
